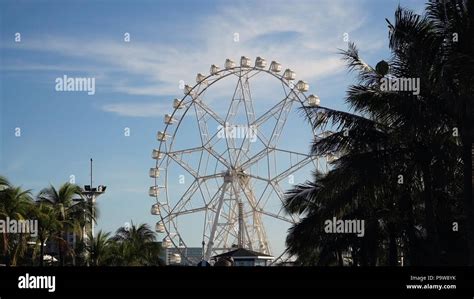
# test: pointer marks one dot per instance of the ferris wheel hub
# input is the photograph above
(235, 174)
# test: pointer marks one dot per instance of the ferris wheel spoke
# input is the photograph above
(186, 197)
(211, 176)
(234, 101)
(248, 103)
(185, 151)
(272, 112)
(281, 196)
(276, 216)
(204, 183)
(212, 141)
(257, 177)
(265, 196)
(250, 116)
(259, 209)
(263, 193)
(277, 189)
(202, 125)
(229, 119)
(281, 120)
(300, 163)
(254, 74)
(281, 258)
(218, 157)
(178, 159)
(202, 193)
(256, 158)
(261, 137)
(206, 109)
(286, 173)
(190, 211)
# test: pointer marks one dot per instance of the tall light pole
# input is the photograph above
(91, 195)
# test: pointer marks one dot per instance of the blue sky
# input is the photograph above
(136, 81)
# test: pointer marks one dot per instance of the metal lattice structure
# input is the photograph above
(236, 150)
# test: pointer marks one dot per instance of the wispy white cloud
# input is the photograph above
(42, 67)
(137, 109)
(303, 35)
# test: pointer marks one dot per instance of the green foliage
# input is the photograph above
(61, 212)
(390, 134)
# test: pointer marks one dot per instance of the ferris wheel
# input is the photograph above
(224, 160)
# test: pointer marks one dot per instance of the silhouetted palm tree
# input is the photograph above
(386, 137)
(454, 22)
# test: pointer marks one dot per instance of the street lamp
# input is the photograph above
(91, 194)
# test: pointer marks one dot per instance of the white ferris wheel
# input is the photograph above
(224, 160)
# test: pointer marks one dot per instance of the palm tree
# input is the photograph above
(453, 21)
(48, 225)
(416, 54)
(390, 134)
(4, 183)
(152, 255)
(136, 246)
(71, 215)
(14, 204)
(82, 213)
(98, 248)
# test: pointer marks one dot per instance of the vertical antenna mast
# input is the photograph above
(241, 225)
(91, 172)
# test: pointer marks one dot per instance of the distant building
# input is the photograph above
(51, 246)
(242, 257)
(187, 256)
